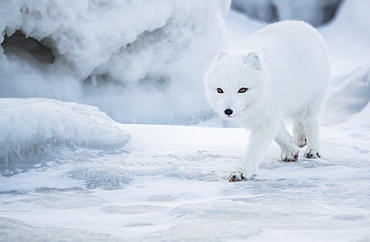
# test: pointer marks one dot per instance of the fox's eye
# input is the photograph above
(243, 90)
(219, 90)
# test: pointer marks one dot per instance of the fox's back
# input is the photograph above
(294, 59)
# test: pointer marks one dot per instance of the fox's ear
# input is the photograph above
(253, 60)
(222, 54)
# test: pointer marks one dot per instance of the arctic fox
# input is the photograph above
(279, 71)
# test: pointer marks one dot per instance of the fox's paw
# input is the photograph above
(289, 156)
(312, 154)
(240, 175)
(236, 176)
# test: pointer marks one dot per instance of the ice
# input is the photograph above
(172, 185)
(34, 129)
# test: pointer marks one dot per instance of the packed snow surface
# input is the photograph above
(168, 183)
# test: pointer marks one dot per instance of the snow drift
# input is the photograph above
(350, 96)
(139, 61)
(350, 86)
(33, 128)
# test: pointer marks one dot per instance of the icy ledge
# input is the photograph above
(33, 128)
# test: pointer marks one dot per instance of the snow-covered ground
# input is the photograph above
(168, 183)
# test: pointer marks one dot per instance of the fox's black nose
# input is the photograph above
(228, 112)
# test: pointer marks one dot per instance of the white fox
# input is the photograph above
(280, 71)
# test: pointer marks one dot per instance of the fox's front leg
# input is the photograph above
(259, 141)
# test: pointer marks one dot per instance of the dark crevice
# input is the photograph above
(20, 45)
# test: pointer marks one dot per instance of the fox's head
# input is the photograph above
(234, 83)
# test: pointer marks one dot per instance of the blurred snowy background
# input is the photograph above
(79, 79)
(138, 61)
(143, 61)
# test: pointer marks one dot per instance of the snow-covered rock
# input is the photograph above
(128, 57)
(33, 128)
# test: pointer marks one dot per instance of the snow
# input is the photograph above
(169, 183)
(34, 129)
(177, 190)
(352, 27)
(114, 54)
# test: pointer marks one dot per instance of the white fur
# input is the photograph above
(286, 70)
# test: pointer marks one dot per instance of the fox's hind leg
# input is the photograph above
(311, 125)
(289, 149)
(299, 133)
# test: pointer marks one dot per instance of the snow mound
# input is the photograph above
(33, 128)
(351, 95)
(129, 58)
